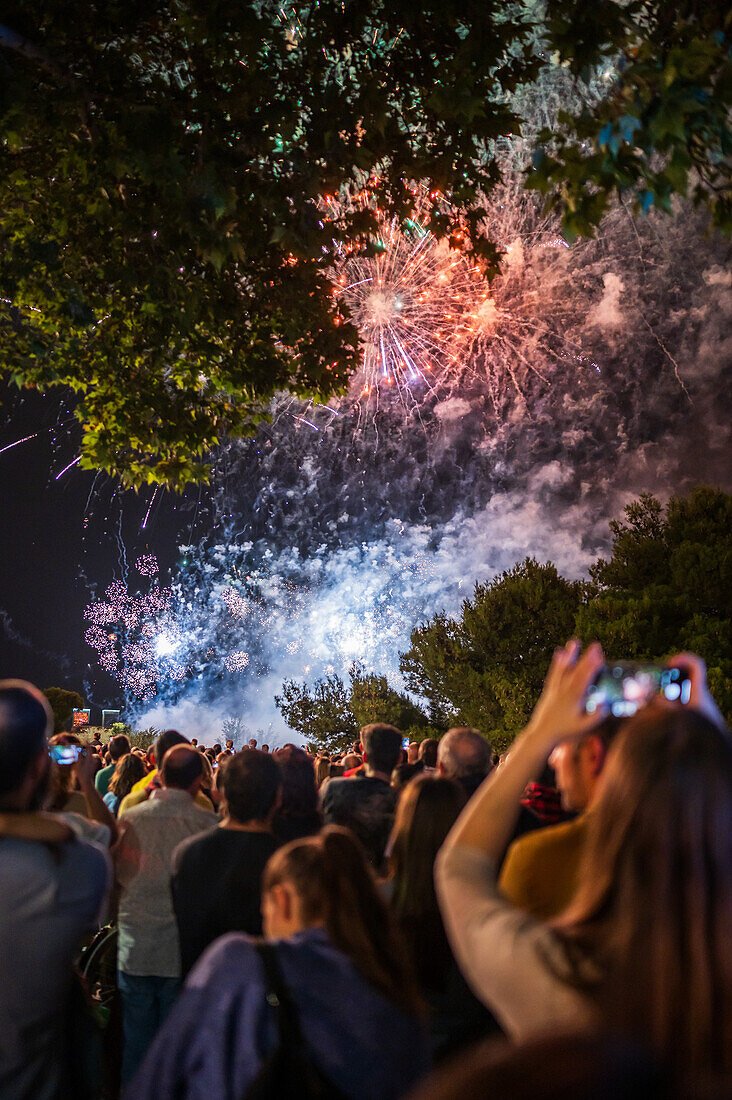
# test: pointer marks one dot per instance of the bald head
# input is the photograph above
(463, 753)
(182, 769)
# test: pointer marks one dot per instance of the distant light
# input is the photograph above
(164, 646)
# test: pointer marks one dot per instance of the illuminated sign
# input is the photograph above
(109, 717)
(81, 717)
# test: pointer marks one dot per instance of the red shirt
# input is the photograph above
(546, 802)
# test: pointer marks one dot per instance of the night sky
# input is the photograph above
(55, 551)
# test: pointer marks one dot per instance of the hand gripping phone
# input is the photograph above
(625, 686)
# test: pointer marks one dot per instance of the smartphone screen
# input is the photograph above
(64, 754)
(405, 742)
(623, 687)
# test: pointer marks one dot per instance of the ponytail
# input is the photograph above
(335, 885)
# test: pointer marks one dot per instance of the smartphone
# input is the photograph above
(65, 754)
(624, 686)
(405, 742)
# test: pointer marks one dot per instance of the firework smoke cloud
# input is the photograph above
(488, 423)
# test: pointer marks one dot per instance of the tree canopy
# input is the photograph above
(374, 700)
(163, 248)
(163, 166)
(666, 587)
(330, 714)
(661, 126)
(486, 668)
(321, 714)
(63, 703)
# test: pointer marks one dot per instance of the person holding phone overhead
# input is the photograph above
(541, 868)
(643, 949)
(73, 794)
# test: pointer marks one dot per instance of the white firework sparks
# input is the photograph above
(237, 661)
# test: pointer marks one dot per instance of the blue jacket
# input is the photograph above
(221, 1027)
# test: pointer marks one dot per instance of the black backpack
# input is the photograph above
(289, 1070)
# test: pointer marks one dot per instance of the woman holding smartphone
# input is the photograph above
(644, 947)
(72, 794)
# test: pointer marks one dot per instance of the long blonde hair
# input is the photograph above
(653, 907)
(322, 770)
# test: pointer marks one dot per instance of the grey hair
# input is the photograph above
(463, 751)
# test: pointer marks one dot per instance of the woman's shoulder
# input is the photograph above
(231, 956)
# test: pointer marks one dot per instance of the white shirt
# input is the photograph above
(151, 831)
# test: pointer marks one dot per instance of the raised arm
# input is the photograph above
(96, 810)
(492, 940)
(487, 822)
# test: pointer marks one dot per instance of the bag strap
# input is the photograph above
(280, 998)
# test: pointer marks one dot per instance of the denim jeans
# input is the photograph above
(146, 1001)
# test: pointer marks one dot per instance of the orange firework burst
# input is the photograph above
(417, 303)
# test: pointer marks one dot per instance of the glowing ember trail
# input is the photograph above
(418, 304)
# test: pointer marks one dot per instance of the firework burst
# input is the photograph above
(418, 304)
(432, 325)
(226, 615)
(135, 633)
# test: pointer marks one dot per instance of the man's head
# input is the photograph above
(413, 752)
(578, 766)
(182, 769)
(297, 774)
(252, 742)
(119, 746)
(26, 723)
(428, 752)
(167, 739)
(351, 760)
(265, 748)
(251, 784)
(229, 745)
(464, 755)
(382, 747)
(194, 741)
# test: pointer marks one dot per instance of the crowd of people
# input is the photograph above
(397, 919)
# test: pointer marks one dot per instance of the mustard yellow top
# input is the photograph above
(539, 874)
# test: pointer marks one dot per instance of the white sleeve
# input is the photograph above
(86, 829)
(511, 960)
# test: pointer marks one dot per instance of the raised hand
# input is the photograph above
(560, 714)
